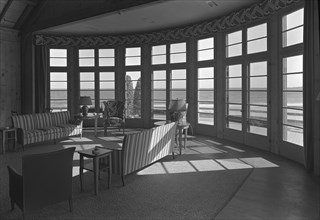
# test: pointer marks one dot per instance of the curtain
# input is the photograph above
(41, 78)
(311, 73)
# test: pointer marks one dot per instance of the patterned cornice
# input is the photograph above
(255, 12)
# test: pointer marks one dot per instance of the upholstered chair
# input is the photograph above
(113, 115)
(46, 179)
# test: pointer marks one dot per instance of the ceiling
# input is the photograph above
(14, 13)
(151, 17)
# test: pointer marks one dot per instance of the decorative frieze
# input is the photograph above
(257, 11)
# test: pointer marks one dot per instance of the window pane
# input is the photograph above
(234, 70)
(159, 84)
(106, 52)
(293, 64)
(178, 74)
(258, 83)
(58, 53)
(234, 83)
(257, 46)
(258, 31)
(293, 20)
(86, 53)
(58, 85)
(207, 72)
(205, 43)
(178, 84)
(292, 82)
(204, 95)
(156, 50)
(205, 55)
(234, 50)
(159, 59)
(234, 97)
(58, 76)
(257, 112)
(258, 68)
(86, 62)
(58, 62)
(161, 74)
(133, 61)
(235, 37)
(178, 48)
(258, 98)
(178, 94)
(292, 37)
(293, 99)
(106, 85)
(135, 51)
(293, 135)
(107, 76)
(205, 84)
(159, 94)
(178, 58)
(106, 61)
(293, 117)
(89, 76)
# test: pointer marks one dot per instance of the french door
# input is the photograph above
(246, 103)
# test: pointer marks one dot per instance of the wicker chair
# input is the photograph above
(113, 115)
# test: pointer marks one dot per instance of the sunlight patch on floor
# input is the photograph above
(233, 164)
(234, 148)
(259, 162)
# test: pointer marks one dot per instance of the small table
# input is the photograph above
(183, 126)
(103, 153)
(5, 137)
(95, 117)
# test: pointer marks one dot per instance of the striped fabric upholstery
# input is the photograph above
(146, 147)
(24, 121)
(59, 118)
(43, 120)
(34, 136)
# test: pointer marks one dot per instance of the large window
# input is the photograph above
(293, 99)
(257, 39)
(206, 95)
(292, 78)
(158, 95)
(133, 94)
(234, 97)
(234, 44)
(58, 80)
(257, 93)
(292, 28)
(206, 81)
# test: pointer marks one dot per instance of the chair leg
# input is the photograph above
(70, 205)
(12, 205)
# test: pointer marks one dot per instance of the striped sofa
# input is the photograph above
(143, 148)
(35, 128)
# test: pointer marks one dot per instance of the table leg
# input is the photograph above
(109, 171)
(96, 174)
(95, 125)
(81, 171)
(180, 139)
(3, 142)
(15, 140)
(185, 137)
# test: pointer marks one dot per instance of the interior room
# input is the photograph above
(237, 81)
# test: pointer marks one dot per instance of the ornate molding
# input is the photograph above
(255, 12)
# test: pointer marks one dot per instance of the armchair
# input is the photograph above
(113, 115)
(46, 179)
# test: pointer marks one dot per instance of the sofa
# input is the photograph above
(40, 127)
(143, 148)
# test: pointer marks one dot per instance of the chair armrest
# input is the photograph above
(75, 121)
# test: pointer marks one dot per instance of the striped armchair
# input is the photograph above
(35, 128)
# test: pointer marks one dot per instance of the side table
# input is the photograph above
(101, 153)
(183, 126)
(6, 136)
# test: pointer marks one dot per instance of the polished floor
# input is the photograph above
(277, 189)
